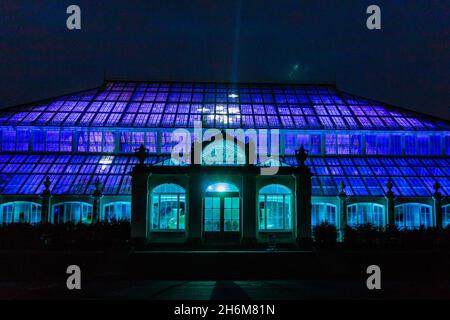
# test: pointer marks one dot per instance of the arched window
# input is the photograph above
(72, 212)
(362, 213)
(168, 207)
(20, 212)
(413, 215)
(223, 152)
(323, 213)
(446, 216)
(117, 211)
(275, 208)
(222, 187)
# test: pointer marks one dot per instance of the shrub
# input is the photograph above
(325, 234)
(101, 235)
(366, 235)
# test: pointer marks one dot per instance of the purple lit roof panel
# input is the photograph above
(128, 98)
(128, 119)
(168, 120)
(248, 121)
(113, 119)
(287, 122)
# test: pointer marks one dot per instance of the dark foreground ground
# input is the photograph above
(226, 290)
(234, 275)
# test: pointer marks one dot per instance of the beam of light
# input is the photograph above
(237, 32)
(294, 70)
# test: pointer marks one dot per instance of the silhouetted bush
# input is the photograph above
(421, 238)
(101, 235)
(367, 237)
(325, 235)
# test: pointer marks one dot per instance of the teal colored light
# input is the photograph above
(222, 187)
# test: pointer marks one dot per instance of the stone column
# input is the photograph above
(390, 204)
(46, 195)
(342, 196)
(97, 195)
(437, 201)
(249, 209)
(303, 193)
(195, 203)
(139, 198)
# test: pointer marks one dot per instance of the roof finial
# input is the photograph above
(342, 188)
(47, 184)
(389, 186)
(301, 155)
(436, 188)
(141, 153)
(98, 187)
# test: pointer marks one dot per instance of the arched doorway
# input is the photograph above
(221, 213)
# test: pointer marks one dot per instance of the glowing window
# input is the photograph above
(223, 152)
(222, 187)
(72, 212)
(446, 216)
(275, 208)
(323, 213)
(168, 207)
(365, 213)
(413, 216)
(117, 211)
(20, 212)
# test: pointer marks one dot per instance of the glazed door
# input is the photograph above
(222, 217)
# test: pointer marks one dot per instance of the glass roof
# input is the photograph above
(163, 104)
(76, 174)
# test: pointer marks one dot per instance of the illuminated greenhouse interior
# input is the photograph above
(356, 146)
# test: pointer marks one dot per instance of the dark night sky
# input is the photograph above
(407, 63)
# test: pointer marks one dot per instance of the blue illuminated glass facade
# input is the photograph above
(78, 138)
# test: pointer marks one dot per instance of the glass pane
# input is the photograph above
(227, 202)
(235, 202)
(208, 203)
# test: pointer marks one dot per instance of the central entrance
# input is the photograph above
(222, 213)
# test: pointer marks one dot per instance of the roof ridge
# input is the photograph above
(326, 101)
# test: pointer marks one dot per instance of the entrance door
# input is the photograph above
(222, 216)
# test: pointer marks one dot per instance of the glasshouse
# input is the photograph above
(107, 154)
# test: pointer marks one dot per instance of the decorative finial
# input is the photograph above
(141, 153)
(436, 188)
(98, 187)
(342, 188)
(389, 186)
(47, 184)
(301, 155)
(98, 184)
